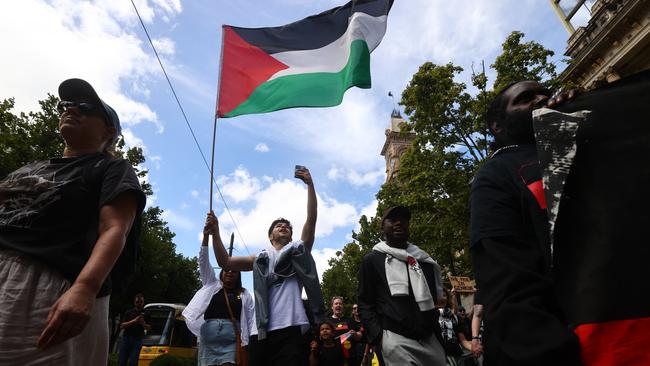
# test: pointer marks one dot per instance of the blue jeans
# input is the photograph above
(130, 350)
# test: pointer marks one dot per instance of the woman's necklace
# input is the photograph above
(501, 149)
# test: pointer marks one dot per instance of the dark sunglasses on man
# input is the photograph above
(84, 108)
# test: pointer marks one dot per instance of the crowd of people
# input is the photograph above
(66, 221)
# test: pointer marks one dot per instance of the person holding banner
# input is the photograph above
(279, 274)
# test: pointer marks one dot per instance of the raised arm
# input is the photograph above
(206, 272)
(238, 263)
(309, 229)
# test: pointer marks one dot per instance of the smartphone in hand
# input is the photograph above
(296, 171)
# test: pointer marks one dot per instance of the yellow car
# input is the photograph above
(168, 333)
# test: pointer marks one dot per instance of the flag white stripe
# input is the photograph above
(334, 56)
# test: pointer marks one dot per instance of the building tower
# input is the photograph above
(397, 141)
(614, 43)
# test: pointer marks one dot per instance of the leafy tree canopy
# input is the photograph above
(435, 173)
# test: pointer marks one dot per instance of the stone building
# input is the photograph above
(396, 144)
(613, 44)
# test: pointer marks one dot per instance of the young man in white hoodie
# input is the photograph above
(398, 286)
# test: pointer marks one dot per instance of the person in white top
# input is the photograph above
(214, 320)
(287, 320)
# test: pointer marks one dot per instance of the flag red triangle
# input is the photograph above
(244, 67)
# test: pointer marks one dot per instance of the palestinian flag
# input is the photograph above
(309, 63)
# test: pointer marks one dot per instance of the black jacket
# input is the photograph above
(511, 256)
(400, 314)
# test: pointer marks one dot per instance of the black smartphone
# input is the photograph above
(295, 172)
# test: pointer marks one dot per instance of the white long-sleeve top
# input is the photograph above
(194, 311)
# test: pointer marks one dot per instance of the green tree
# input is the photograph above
(28, 137)
(524, 61)
(451, 143)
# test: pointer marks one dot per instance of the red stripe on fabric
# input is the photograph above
(537, 189)
(243, 68)
(621, 342)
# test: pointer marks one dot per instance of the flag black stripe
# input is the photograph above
(312, 32)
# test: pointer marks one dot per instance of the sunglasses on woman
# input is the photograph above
(84, 108)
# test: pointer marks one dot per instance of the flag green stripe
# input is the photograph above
(319, 89)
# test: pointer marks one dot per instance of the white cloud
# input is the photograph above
(131, 140)
(156, 161)
(369, 179)
(95, 41)
(239, 186)
(370, 210)
(170, 6)
(268, 199)
(177, 220)
(334, 173)
(164, 46)
(262, 147)
(194, 193)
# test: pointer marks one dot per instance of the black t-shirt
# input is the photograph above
(218, 308)
(135, 330)
(450, 328)
(341, 326)
(507, 199)
(465, 327)
(330, 356)
(358, 347)
(49, 210)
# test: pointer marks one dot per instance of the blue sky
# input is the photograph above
(45, 42)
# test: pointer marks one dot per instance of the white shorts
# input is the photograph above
(28, 289)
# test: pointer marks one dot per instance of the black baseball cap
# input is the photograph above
(396, 211)
(77, 88)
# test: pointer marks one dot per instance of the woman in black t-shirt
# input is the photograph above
(64, 223)
(328, 351)
(219, 333)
